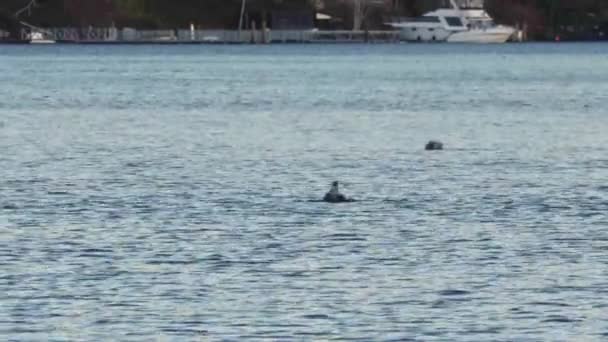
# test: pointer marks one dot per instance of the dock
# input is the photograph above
(132, 36)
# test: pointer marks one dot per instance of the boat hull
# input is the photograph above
(424, 34)
(482, 36)
(490, 36)
(42, 41)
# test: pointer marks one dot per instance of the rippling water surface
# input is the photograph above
(169, 193)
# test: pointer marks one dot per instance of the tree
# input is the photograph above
(9, 23)
(361, 10)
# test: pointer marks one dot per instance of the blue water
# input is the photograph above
(170, 193)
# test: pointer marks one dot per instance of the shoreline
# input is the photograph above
(157, 42)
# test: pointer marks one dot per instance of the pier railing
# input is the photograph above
(128, 35)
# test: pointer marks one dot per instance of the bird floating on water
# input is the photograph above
(434, 145)
(334, 195)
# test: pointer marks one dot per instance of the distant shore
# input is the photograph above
(132, 37)
(113, 36)
(176, 43)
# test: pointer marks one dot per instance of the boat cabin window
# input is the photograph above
(426, 19)
(454, 21)
(480, 24)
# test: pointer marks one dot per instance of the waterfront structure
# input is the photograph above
(537, 20)
(455, 25)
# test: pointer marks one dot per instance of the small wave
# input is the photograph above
(27, 331)
(96, 250)
(214, 257)
(549, 304)
(296, 274)
(450, 293)
(92, 255)
(545, 208)
(172, 262)
(571, 239)
(316, 316)
(311, 333)
(344, 237)
(458, 241)
(438, 304)
(403, 203)
(184, 331)
(58, 193)
(122, 305)
(391, 200)
(398, 303)
(559, 319)
(136, 164)
(590, 213)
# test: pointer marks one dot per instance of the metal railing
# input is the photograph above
(74, 34)
(128, 35)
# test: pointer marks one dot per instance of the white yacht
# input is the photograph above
(454, 25)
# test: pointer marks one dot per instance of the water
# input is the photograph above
(170, 193)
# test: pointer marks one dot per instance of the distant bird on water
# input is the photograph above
(334, 195)
(434, 145)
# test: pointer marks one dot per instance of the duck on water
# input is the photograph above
(334, 195)
(434, 145)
